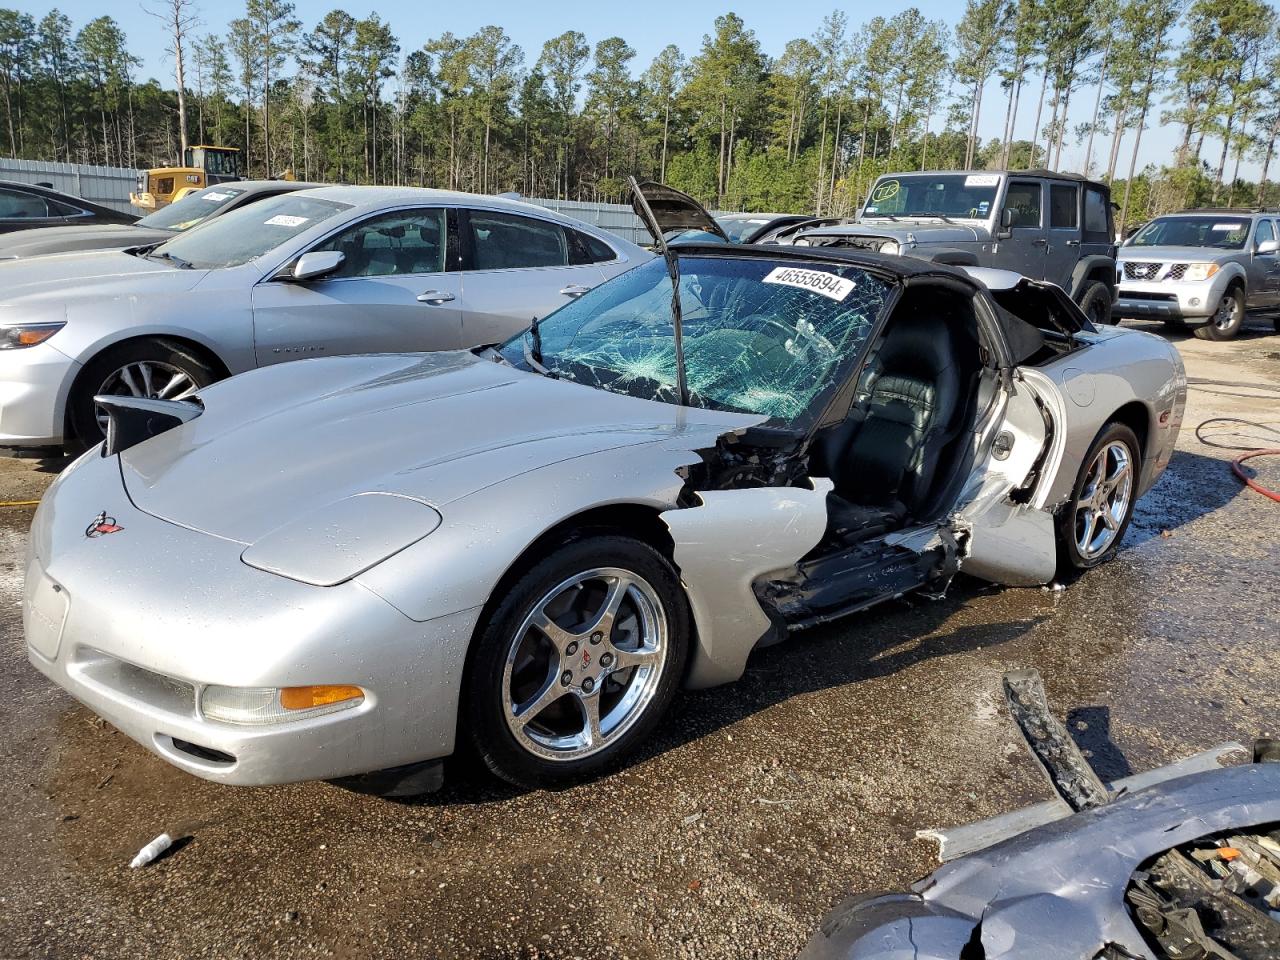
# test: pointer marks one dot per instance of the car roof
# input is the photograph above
(1218, 211)
(896, 266)
(257, 186)
(60, 195)
(1035, 174)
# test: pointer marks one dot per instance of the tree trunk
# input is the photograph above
(666, 127)
(835, 154)
(1266, 160)
(1116, 137)
(1097, 106)
(1137, 141)
(180, 76)
(822, 157)
(1035, 130)
(1062, 130)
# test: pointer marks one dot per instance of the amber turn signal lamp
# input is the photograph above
(304, 698)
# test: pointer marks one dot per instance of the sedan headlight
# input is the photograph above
(259, 705)
(890, 247)
(18, 335)
(1196, 272)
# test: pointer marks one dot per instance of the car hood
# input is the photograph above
(101, 274)
(45, 240)
(1176, 254)
(286, 441)
(906, 231)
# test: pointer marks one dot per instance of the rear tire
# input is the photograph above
(1227, 320)
(160, 369)
(1092, 525)
(1096, 303)
(553, 704)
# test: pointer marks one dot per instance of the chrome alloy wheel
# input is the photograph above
(1224, 318)
(153, 379)
(1104, 500)
(585, 664)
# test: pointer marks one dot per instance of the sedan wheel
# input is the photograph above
(147, 378)
(1091, 528)
(577, 663)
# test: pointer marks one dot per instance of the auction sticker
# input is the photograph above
(217, 197)
(982, 180)
(281, 220)
(826, 284)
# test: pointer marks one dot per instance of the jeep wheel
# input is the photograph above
(1227, 319)
(1096, 303)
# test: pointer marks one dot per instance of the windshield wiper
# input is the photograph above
(176, 261)
(938, 216)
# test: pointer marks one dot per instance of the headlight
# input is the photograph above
(19, 335)
(1199, 271)
(258, 705)
(890, 247)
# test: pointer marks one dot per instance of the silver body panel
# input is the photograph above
(245, 318)
(281, 458)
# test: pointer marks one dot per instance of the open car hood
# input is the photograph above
(675, 212)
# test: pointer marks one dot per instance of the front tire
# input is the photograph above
(158, 369)
(1094, 522)
(577, 664)
(1227, 319)
(1096, 303)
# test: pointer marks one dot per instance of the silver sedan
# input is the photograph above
(350, 565)
(336, 270)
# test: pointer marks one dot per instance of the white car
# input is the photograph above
(323, 272)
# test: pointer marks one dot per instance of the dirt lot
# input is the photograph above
(758, 807)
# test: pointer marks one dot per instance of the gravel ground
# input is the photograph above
(758, 807)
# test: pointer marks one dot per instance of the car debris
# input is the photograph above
(1180, 863)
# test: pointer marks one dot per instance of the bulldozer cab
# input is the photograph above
(220, 164)
(203, 166)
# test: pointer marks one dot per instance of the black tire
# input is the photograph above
(1070, 522)
(101, 375)
(1095, 302)
(1275, 323)
(1226, 326)
(485, 687)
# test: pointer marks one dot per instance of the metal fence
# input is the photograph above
(108, 186)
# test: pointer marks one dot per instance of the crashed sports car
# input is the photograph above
(356, 564)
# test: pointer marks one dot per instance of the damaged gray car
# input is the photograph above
(1177, 863)
(533, 546)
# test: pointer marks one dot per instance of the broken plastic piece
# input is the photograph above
(152, 850)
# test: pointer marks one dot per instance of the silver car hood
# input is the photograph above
(1175, 254)
(100, 274)
(289, 440)
(45, 240)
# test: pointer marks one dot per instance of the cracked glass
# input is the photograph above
(761, 336)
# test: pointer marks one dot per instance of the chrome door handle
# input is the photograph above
(575, 290)
(435, 297)
(1073, 243)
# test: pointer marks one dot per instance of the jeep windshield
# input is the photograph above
(760, 336)
(1223, 233)
(954, 196)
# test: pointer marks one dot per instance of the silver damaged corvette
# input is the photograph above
(355, 566)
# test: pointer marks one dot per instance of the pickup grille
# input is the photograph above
(1177, 270)
(1138, 270)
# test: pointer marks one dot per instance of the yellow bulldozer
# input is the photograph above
(203, 166)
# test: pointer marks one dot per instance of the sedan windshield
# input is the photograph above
(1225, 233)
(760, 336)
(191, 209)
(962, 196)
(246, 234)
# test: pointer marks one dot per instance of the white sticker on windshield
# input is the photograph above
(217, 197)
(281, 220)
(1226, 226)
(982, 180)
(826, 284)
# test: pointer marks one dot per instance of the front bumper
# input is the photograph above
(34, 384)
(135, 625)
(1190, 303)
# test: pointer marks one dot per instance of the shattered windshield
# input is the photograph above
(760, 336)
(959, 196)
(1227, 233)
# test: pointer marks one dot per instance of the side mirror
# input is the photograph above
(1006, 223)
(1267, 247)
(316, 264)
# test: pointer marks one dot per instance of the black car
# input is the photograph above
(27, 205)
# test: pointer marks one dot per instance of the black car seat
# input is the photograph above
(910, 407)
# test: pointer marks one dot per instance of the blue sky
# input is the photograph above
(647, 26)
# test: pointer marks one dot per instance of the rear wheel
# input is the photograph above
(157, 369)
(578, 663)
(1096, 303)
(1092, 525)
(1227, 319)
